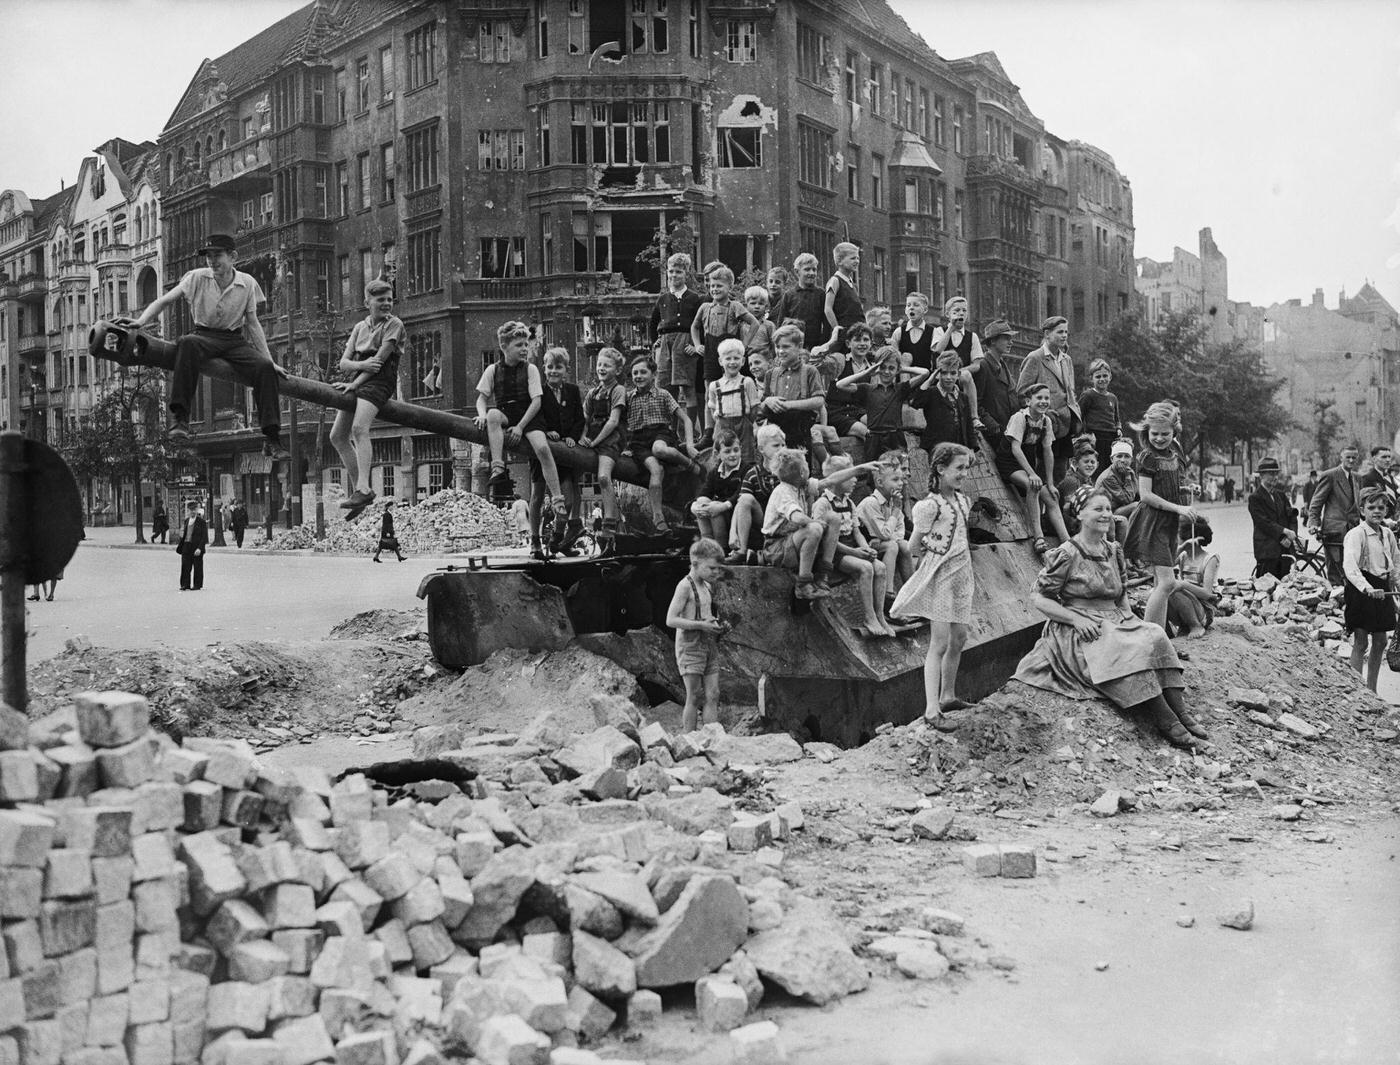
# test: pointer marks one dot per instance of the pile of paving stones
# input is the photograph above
(166, 905)
(447, 521)
(1303, 603)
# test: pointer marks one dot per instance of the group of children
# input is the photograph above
(779, 382)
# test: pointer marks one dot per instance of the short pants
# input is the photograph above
(697, 654)
(639, 446)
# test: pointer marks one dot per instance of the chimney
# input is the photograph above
(1318, 301)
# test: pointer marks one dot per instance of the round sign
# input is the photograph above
(53, 514)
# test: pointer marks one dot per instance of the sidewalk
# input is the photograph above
(123, 537)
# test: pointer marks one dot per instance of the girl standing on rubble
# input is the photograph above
(1093, 644)
(1152, 530)
(1371, 562)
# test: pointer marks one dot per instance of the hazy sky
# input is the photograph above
(1276, 122)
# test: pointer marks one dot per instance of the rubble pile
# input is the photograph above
(449, 521)
(165, 905)
(1302, 603)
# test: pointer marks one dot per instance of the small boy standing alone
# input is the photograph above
(508, 400)
(698, 628)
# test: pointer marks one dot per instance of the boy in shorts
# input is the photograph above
(561, 417)
(651, 432)
(698, 628)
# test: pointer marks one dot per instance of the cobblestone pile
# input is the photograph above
(166, 905)
(1303, 603)
(449, 521)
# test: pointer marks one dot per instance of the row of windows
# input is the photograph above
(420, 68)
(623, 26)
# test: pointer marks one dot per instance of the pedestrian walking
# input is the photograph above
(160, 524)
(387, 540)
(193, 542)
(239, 522)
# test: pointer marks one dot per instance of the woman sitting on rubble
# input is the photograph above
(1093, 644)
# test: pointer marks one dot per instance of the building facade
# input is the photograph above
(1192, 282)
(539, 161)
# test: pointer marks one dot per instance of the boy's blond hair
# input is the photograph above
(767, 432)
(730, 345)
(843, 249)
(378, 287)
(805, 259)
(791, 466)
(754, 292)
(835, 463)
(949, 360)
(680, 259)
(917, 296)
(556, 354)
(791, 332)
(610, 353)
(720, 271)
(705, 549)
(509, 331)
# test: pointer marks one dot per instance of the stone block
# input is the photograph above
(982, 859)
(589, 1016)
(107, 1018)
(644, 1010)
(103, 831)
(23, 948)
(449, 972)
(11, 1003)
(301, 946)
(150, 1001)
(153, 857)
(607, 747)
(367, 1048)
(362, 843)
(183, 766)
(150, 1044)
(241, 808)
(67, 925)
(111, 719)
(153, 953)
(421, 903)
(497, 891)
(42, 987)
(290, 906)
(267, 866)
(290, 996)
(473, 850)
(127, 765)
(256, 961)
(189, 994)
(366, 901)
(808, 956)
(555, 947)
(230, 765)
(235, 922)
(423, 1052)
(457, 898)
(748, 833)
(195, 959)
(203, 806)
(253, 1052)
(111, 879)
(343, 962)
(304, 1041)
(40, 1042)
(158, 806)
(542, 1004)
(1017, 860)
(602, 969)
(77, 976)
(339, 917)
(707, 924)
(14, 729)
(214, 875)
(393, 935)
(509, 1040)
(940, 922)
(392, 876)
(307, 832)
(156, 904)
(430, 943)
(627, 891)
(77, 769)
(25, 838)
(757, 1044)
(235, 1004)
(720, 1003)
(21, 892)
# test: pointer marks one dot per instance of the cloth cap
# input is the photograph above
(999, 328)
(218, 242)
(1269, 465)
(1122, 447)
(1053, 323)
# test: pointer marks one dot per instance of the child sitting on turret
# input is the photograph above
(793, 538)
(651, 431)
(881, 517)
(854, 555)
(605, 420)
(746, 528)
(714, 506)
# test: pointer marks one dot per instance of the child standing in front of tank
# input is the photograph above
(698, 628)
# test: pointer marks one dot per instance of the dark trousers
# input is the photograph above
(1276, 566)
(238, 535)
(1335, 576)
(253, 367)
(192, 569)
(1103, 447)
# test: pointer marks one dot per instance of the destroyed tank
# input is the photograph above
(802, 663)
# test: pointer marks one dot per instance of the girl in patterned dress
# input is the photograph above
(1151, 537)
(941, 587)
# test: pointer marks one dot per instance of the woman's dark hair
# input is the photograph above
(1199, 529)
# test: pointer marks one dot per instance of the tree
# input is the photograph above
(126, 426)
(677, 238)
(1327, 426)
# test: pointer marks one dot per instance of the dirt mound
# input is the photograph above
(512, 688)
(449, 521)
(383, 625)
(266, 693)
(1023, 747)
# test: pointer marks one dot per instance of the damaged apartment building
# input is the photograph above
(537, 160)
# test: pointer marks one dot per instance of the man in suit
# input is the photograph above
(1275, 521)
(194, 539)
(1333, 510)
(1050, 365)
(1382, 476)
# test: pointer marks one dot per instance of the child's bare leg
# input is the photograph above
(720, 526)
(809, 542)
(879, 583)
(1031, 501)
(904, 564)
(690, 715)
(1358, 649)
(933, 670)
(1057, 518)
(536, 505)
(864, 573)
(711, 699)
(1373, 663)
(831, 533)
(889, 558)
(1162, 588)
(496, 436)
(745, 512)
(816, 440)
(540, 444)
(605, 486)
(969, 389)
(704, 525)
(952, 659)
(654, 480)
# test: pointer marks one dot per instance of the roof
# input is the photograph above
(887, 25)
(989, 62)
(283, 42)
(46, 210)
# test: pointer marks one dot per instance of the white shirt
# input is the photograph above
(1372, 551)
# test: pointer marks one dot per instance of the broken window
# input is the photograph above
(911, 272)
(852, 59)
(741, 41)
(592, 243)
(740, 147)
(875, 88)
(619, 133)
(648, 27)
(502, 256)
(813, 55)
(853, 173)
(494, 41)
(500, 149)
(542, 134)
(813, 155)
(608, 26)
(877, 274)
(578, 28)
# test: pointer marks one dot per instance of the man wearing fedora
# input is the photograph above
(224, 305)
(1050, 365)
(996, 393)
(1275, 521)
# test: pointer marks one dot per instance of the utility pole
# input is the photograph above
(293, 443)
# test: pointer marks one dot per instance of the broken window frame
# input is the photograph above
(420, 46)
(619, 132)
(741, 41)
(578, 28)
(877, 273)
(542, 29)
(814, 155)
(813, 56)
(495, 41)
(542, 145)
(875, 89)
(506, 256)
(424, 261)
(727, 147)
(648, 25)
(853, 162)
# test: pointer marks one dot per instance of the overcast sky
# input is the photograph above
(1275, 122)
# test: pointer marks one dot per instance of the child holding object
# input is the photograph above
(508, 401)
(698, 628)
(605, 417)
(854, 555)
(1025, 461)
(1151, 537)
(941, 588)
(1371, 562)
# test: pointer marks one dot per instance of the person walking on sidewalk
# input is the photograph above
(239, 522)
(224, 306)
(160, 524)
(193, 542)
(387, 540)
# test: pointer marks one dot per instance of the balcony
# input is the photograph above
(74, 271)
(424, 201)
(301, 144)
(1003, 252)
(110, 255)
(606, 287)
(914, 227)
(1006, 170)
(33, 343)
(243, 162)
(659, 181)
(191, 179)
(33, 287)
